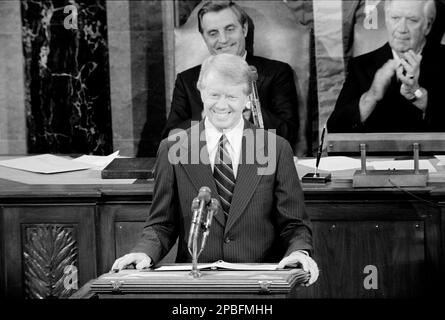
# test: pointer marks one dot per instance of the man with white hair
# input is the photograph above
(262, 217)
(396, 88)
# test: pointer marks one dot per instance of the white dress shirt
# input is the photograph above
(234, 137)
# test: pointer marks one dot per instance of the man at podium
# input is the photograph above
(250, 170)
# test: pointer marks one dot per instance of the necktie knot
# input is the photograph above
(223, 153)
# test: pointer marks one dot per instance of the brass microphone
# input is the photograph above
(203, 208)
(254, 99)
(212, 210)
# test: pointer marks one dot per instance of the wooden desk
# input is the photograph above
(46, 228)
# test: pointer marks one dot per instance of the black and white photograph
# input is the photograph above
(217, 159)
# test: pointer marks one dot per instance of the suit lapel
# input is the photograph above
(198, 167)
(246, 181)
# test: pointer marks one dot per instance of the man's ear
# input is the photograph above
(245, 29)
(429, 25)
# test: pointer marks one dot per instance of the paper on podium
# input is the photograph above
(45, 163)
(97, 162)
(220, 264)
(332, 163)
(441, 160)
(402, 165)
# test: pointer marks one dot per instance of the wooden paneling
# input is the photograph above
(127, 235)
(18, 219)
(344, 248)
(50, 260)
(402, 236)
(120, 225)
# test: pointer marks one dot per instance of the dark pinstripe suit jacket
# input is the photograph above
(267, 218)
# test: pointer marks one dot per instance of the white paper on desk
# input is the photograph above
(441, 160)
(332, 163)
(45, 163)
(98, 162)
(402, 165)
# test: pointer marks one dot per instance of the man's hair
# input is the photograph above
(216, 6)
(231, 67)
(429, 9)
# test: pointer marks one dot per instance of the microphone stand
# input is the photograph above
(201, 205)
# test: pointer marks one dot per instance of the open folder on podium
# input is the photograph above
(211, 282)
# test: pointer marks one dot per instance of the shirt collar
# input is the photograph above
(234, 135)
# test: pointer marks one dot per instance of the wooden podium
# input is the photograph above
(180, 284)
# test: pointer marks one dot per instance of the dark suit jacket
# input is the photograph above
(276, 88)
(393, 113)
(267, 218)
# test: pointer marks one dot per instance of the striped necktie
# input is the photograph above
(223, 174)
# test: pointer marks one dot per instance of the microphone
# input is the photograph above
(212, 210)
(254, 73)
(203, 197)
(254, 99)
(195, 223)
(202, 205)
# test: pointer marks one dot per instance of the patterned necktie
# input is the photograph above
(223, 174)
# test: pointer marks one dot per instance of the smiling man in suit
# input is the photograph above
(262, 217)
(396, 88)
(224, 26)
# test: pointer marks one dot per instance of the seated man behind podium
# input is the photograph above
(263, 217)
(223, 26)
(398, 87)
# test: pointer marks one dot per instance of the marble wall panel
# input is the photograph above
(66, 77)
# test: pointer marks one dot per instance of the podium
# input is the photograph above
(180, 284)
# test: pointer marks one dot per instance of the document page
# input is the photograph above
(45, 163)
(220, 265)
(332, 163)
(98, 162)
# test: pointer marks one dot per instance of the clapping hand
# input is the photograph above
(382, 79)
(408, 73)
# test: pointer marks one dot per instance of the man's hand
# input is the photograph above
(381, 82)
(408, 73)
(298, 258)
(140, 259)
(382, 79)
